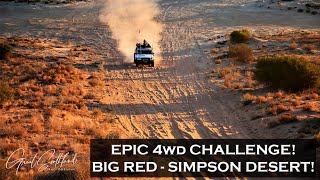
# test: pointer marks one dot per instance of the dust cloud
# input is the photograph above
(132, 21)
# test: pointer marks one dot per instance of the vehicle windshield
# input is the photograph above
(145, 52)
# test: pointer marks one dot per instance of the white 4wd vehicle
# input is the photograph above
(144, 54)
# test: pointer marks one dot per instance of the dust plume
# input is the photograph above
(132, 21)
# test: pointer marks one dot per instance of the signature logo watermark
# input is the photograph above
(48, 160)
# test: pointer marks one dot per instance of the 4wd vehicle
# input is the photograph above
(143, 54)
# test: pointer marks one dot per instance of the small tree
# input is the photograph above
(240, 36)
(5, 51)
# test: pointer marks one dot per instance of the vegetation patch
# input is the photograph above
(5, 51)
(6, 93)
(240, 36)
(288, 72)
(241, 52)
(248, 99)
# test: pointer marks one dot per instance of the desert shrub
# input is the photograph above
(97, 114)
(13, 131)
(113, 135)
(60, 74)
(241, 52)
(5, 51)
(293, 45)
(287, 118)
(261, 99)
(223, 72)
(309, 107)
(275, 109)
(248, 99)
(214, 50)
(278, 95)
(218, 61)
(6, 93)
(309, 47)
(240, 36)
(288, 72)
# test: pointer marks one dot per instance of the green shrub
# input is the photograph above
(240, 36)
(241, 52)
(6, 93)
(5, 51)
(288, 72)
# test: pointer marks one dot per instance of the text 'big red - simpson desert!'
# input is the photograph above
(196, 149)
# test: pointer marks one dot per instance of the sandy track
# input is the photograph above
(174, 100)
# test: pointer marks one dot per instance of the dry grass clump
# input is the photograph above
(218, 61)
(309, 107)
(309, 47)
(227, 84)
(296, 102)
(90, 96)
(238, 86)
(241, 52)
(312, 96)
(283, 119)
(214, 50)
(51, 89)
(279, 94)
(249, 83)
(113, 135)
(14, 130)
(72, 91)
(248, 98)
(60, 74)
(96, 131)
(6, 93)
(97, 114)
(71, 104)
(236, 78)
(95, 81)
(223, 72)
(65, 125)
(37, 123)
(275, 109)
(287, 118)
(293, 45)
(5, 51)
(261, 99)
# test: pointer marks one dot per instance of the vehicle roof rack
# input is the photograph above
(144, 45)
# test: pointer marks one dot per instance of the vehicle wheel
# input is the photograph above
(137, 64)
(152, 64)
